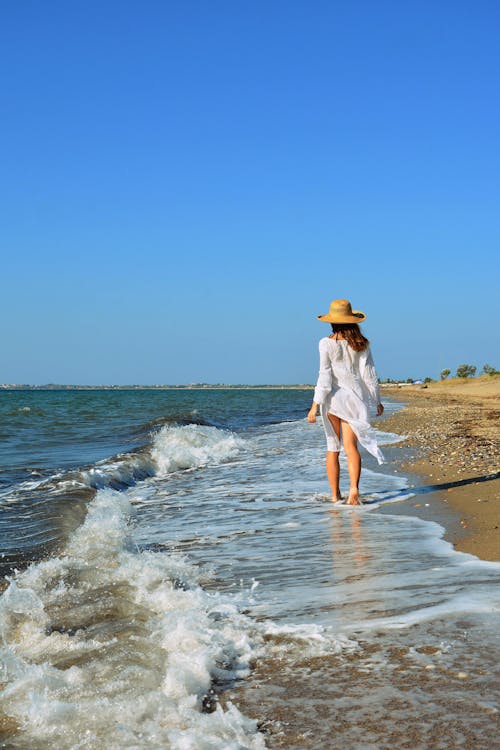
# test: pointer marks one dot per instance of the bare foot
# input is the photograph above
(337, 498)
(353, 497)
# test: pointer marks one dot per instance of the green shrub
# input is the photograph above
(466, 371)
(489, 370)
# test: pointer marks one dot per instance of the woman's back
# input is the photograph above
(347, 386)
(349, 368)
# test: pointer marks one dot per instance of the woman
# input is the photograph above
(346, 389)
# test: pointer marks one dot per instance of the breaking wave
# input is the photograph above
(62, 499)
(108, 647)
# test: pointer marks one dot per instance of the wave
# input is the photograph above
(173, 448)
(65, 495)
(179, 419)
(108, 647)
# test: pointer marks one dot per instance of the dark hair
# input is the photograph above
(352, 334)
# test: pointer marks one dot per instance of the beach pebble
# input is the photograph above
(462, 675)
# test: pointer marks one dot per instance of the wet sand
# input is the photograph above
(411, 694)
(451, 430)
(433, 685)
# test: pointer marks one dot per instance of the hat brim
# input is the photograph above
(356, 317)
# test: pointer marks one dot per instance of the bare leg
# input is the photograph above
(332, 463)
(333, 474)
(353, 462)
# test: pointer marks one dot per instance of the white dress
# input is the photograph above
(347, 387)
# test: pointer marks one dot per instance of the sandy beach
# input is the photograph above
(451, 429)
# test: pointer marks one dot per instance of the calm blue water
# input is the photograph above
(158, 543)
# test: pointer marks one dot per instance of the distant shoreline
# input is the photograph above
(453, 382)
(193, 387)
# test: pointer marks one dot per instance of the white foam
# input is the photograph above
(469, 603)
(174, 448)
(306, 639)
(128, 640)
(193, 446)
(388, 438)
(259, 518)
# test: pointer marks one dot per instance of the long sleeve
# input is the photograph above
(369, 375)
(324, 383)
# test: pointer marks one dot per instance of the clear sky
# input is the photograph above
(184, 186)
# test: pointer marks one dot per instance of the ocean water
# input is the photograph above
(175, 577)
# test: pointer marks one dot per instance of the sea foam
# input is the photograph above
(108, 647)
(172, 448)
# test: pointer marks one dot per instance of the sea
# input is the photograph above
(175, 576)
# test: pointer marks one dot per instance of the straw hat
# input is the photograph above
(342, 312)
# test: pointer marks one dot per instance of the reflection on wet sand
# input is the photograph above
(339, 526)
(350, 553)
(429, 686)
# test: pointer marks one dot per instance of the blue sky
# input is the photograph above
(186, 185)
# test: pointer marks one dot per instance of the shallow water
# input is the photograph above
(205, 578)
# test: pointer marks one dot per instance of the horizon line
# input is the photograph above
(172, 386)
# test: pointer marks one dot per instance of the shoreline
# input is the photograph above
(451, 452)
(193, 387)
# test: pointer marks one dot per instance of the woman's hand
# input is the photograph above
(311, 417)
(380, 409)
